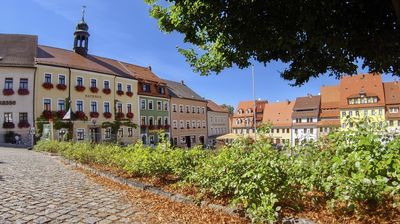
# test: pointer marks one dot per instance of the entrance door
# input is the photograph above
(188, 141)
(95, 135)
(201, 139)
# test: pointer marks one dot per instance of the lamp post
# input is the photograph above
(255, 104)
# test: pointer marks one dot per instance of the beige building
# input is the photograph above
(217, 121)
(17, 70)
(188, 116)
(243, 118)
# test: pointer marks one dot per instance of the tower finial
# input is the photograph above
(83, 13)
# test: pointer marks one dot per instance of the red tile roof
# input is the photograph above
(212, 106)
(17, 50)
(329, 123)
(280, 114)
(330, 97)
(392, 92)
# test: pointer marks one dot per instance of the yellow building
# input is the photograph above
(392, 98)
(279, 115)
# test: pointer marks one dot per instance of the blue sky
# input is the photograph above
(124, 30)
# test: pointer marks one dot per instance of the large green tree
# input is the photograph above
(313, 37)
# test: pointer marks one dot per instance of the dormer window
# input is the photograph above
(240, 111)
(362, 100)
(393, 110)
(248, 111)
(161, 90)
(146, 88)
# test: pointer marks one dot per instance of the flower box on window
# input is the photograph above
(160, 126)
(24, 124)
(107, 115)
(107, 91)
(94, 114)
(48, 85)
(152, 127)
(130, 94)
(120, 92)
(61, 86)
(47, 114)
(8, 92)
(120, 115)
(60, 114)
(94, 89)
(166, 126)
(8, 125)
(80, 88)
(80, 115)
(129, 115)
(23, 92)
(143, 126)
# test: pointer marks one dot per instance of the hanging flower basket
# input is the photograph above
(8, 125)
(47, 114)
(129, 115)
(80, 88)
(94, 114)
(61, 114)
(120, 92)
(120, 115)
(23, 92)
(80, 115)
(94, 89)
(107, 115)
(48, 85)
(61, 86)
(130, 94)
(24, 124)
(107, 91)
(8, 92)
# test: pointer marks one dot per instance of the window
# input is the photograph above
(203, 110)
(391, 123)
(8, 83)
(198, 124)
(198, 110)
(107, 133)
(144, 139)
(183, 139)
(80, 134)
(296, 131)
(106, 84)
(129, 108)
(119, 86)
(175, 141)
(79, 81)
(311, 130)
(181, 124)
(23, 117)
(93, 83)
(47, 78)
(344, 114)
(106, 107)
(143, 121)
(159, 105)
(350, 113)
(381, 111)
(181, 108)
(277, 130)
(187, 109)
(79, 105)
(150, 104)
(61, 79)
(61, 105)
(159, 120)
(393, 110)
(204, 124)
(130, 132)
(151, 121)
(373, 112)
(175, 124)
(146, 88)
(193, 124)
(93, 106)
(188, 124)
(166, 106)
(143, 104)
(193, 139)
(166, 120)
(121, 132)
(119, 107)
(287, 130)
(305, 130)
(174, 107)
(161, 90)
(193, 109)
(129, 89)
(357, 113)
(298, 120)
(23, 83)
(8, 117)
(47, 104)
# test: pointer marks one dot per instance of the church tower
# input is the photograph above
(81, 36)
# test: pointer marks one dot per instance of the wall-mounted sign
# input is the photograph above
(8, 102)
(92, 96)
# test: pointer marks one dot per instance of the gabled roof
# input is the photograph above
(244, 105)
(279, 114)
(212, 106)
(309, 102)
(181, 90)
(330, 97)
(66, 58)
(369, 84)
(18, 50)
(392, 92)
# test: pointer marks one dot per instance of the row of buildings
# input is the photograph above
(42, 83)
(309, 117)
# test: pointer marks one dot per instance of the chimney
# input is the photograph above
(309, 95)
(150, 67)
(288, 101)
(182, 82)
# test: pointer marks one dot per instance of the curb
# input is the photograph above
(152, 189)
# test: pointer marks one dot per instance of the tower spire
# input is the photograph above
(83, 13)
(81, 36)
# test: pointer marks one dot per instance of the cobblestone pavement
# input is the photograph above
(35, 188)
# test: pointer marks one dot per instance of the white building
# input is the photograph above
(218, 121)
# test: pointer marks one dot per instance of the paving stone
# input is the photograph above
(38, 188)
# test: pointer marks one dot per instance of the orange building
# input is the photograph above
(243, 117)
(279, 115)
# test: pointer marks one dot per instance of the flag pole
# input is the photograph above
(255, 104)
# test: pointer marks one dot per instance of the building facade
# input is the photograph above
(305, 119)
(243, 118)
(279, 116)
(188, 116)
(392, 100)
(17, 53)
(329, 116)
(217, 121)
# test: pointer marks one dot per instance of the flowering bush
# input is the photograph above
(24, 124)
(23, 92)
(129, 115)
(48, 85)
(94, 114)
(47, 114)
(8, 125)
(130, 94)
(120, 92)
(80, 115)
(8, 92)
(61, 86)
(94, 89)
(107, 115)
(107, 91)
(80, 88)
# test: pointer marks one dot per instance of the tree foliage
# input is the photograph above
(314, 37)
